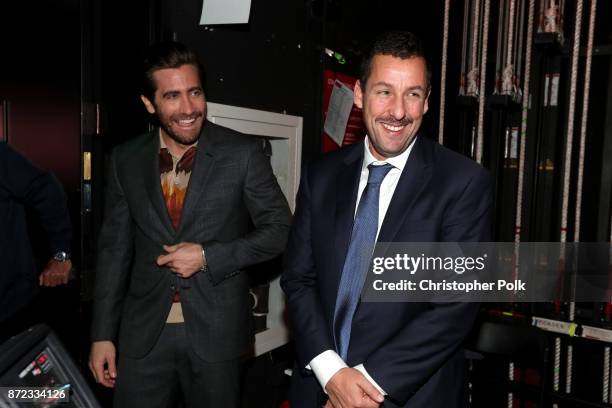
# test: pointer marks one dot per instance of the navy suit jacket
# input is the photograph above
(412, 350)
(24, 185)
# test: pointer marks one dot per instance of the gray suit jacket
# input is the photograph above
(231, 185)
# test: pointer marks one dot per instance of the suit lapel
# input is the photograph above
(414, 178)
(202, 169)
(153, 184)
(347, 185)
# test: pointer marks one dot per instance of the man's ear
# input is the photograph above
(358, 95)
(426, 107)
(148, 104)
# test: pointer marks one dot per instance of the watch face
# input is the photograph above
(61, 256)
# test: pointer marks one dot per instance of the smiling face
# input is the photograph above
(179, 104)
(394, 100)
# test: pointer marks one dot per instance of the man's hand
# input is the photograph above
(184, 259)
(102, 363)
(348, 388)
(55, 273)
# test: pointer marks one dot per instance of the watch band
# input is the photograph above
(204, 267)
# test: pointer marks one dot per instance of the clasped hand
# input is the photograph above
(349, 388)
(184, 259)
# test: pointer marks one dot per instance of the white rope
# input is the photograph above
(443, 72)
(541, 16)
(606, 376)
(584, 119)
(610, 382)
(464, 48)
(524, 117)
(570, 367)
(570, 135)
(500, 44)
(475, 23)
(510, 32)
(570, 121)
(519, 50)
(583, 125)
(557, 364)
(483, 75)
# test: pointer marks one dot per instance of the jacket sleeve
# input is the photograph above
(270, 215)
(115, 252)
(42, 192)
(299, 281)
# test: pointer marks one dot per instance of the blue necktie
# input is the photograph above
(358, 258)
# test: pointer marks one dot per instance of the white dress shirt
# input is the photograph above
(328, 363)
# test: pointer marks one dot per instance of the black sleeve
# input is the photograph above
(40, 191)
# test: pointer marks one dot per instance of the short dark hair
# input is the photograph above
(169, 54)
(399, 44)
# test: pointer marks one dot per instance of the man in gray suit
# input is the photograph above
(171, 299)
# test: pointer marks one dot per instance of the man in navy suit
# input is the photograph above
(368, 354)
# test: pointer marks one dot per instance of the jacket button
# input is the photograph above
(172, 288)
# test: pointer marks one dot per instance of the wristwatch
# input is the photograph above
(61, 256)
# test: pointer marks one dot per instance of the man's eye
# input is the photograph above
(171, 96)
(383, 92)
(196, 93)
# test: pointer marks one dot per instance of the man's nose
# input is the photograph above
(398, 109)
(187, 105)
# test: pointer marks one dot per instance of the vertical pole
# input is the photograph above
(443, 72)
(483, 74)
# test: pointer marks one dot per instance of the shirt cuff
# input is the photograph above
(363, 371)
(325, 365)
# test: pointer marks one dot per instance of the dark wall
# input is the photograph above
(39, 78)
(121, 31)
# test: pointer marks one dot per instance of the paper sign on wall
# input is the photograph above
(338, 112)
(225, 12)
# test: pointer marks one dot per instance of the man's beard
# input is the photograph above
(184, 139)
